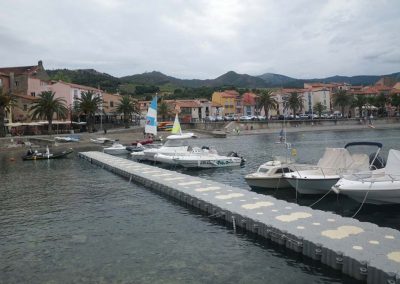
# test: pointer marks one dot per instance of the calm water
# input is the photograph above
(67, 221)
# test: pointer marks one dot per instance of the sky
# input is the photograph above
(203, 39)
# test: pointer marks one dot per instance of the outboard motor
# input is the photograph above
(205, 148)
(378, 163)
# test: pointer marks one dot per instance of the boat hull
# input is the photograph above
(312, 185)
(267, 182)
(207, 163)
(383, 192)
(60, 155)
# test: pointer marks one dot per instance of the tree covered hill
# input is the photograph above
(151, 82)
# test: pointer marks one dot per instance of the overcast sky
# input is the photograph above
(203, 39)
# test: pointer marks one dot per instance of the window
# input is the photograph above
(16, 83)
(25, 107)
(75, 93)
(33, 94)
(111, 104)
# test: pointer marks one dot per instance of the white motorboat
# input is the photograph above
(116, 149)
(381, 186)
(335, 163)
(67, 138)
(208, 159)
(270, 175)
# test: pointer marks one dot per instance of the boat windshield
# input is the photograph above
(176, 143)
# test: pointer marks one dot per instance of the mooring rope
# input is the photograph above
(321, 198)
(365, 198)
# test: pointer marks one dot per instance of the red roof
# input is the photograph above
(19, 70)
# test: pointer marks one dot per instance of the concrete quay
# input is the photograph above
(361, 250)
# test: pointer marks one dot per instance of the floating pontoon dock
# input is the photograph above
(361, 250)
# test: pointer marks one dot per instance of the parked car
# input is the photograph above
(303, 116)
(260, 117)
(210, 118)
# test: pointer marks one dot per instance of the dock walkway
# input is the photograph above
(361, 250)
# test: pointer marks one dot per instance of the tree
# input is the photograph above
(6, 102)
(359, 102)
(164, 110)
(127, 106)
(295, 102)
(88, 104)
(380, 103)
(46, 106)
(267, 101)
(319, 108)
(341, 99)
(395, 101)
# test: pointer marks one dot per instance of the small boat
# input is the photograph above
(35, 155)
(381, 186)
(270, 175)
(207, 160)
(218, 134)
(101, 140)
(335, 163)
(116, 149)
(143, 142)
(71, 138)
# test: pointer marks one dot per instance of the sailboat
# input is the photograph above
(177, 131)
(177, 143)
(151, 118)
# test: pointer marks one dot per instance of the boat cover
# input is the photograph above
(393, 163)
(335, 158)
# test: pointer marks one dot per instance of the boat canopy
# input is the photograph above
(393, 162)
(377, 144)
(340, 158)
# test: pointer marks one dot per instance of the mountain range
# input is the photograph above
(94, 78)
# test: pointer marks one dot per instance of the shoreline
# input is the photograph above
(128, 136)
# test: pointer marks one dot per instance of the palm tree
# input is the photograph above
(295, 102)
(6, 102)
(341, 99)
(359, 101)
(164, 109)
(46, 106)
(319, 108)
(88, 104)
(266, 100)
(127, 106)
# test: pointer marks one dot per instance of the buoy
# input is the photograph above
(12, 159)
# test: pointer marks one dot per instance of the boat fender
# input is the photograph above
(294, 152)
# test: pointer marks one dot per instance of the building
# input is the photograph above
(25, 83)
(230, 102)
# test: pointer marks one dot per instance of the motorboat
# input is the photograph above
(270, 174)
(335, 163)
(116, 149)
(71, 138)
(35, 155)
(208, 159)
(101, 140)
(380, 186)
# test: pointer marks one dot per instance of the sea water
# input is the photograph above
(67, 221)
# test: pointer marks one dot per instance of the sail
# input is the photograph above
(177, 126)
(151, 118)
